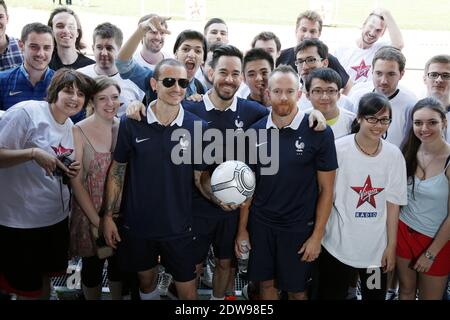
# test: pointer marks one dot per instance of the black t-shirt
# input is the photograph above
(287, 56)
(82, 61)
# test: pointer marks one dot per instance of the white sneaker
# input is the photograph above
(164, 281)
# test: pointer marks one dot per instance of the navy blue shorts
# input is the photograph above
(26, 255)
(218, 231)
(177, 255)
(274, 257)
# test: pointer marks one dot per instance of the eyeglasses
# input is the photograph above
(329, 92)
(310, 61)
(170, 82)
(435, 75)
(375, 120)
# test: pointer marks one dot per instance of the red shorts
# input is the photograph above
(411, 244)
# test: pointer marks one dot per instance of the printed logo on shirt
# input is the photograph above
(141, 140)
(239, 125)
(14, 93)
(184, 143)
(299, 146)
(367, 193)
(257, 145)
(362, 70)
(365, 214)
(60, 151)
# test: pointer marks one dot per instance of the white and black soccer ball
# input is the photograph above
(232, 182)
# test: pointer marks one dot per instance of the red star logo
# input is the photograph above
(362, 70)
(367, 193)
(61, 151)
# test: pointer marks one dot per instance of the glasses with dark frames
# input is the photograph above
(375, 120)
(310, 61)
(435, 75)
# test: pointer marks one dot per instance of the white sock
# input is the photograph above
(154, 295)
(214, 298)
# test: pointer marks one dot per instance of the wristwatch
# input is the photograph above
(429, 255)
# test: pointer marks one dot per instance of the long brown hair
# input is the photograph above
(411, 146)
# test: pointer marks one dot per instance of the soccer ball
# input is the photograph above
(232, 182)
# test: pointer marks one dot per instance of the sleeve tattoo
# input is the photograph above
(114, 185)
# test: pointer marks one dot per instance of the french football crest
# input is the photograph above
(184, 143)
(299, 146)
(239, 125)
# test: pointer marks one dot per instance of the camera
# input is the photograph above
(58, 172)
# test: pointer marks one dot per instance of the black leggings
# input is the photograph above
(92, 270)
(335, 276)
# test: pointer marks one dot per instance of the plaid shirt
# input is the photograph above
(12, 56)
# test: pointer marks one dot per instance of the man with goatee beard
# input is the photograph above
(223, 110)
(285, 220)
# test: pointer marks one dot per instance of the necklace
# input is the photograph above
(421, 156)
(371, 154)
(422, 164)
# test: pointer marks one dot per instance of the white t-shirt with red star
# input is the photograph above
(29, 198)
(358, 62)
(356, 232)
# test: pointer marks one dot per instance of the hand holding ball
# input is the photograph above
(232, 182)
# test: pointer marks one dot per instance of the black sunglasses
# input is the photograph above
(170, 82)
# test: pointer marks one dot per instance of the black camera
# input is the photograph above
(58, 172)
